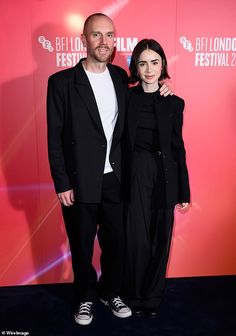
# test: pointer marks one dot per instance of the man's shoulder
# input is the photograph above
(118, 69)
(114, 66)
(135, 90)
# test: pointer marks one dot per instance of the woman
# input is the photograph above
(157, 177)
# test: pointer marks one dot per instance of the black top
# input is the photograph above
(146, 138)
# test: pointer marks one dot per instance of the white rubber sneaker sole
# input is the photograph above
(117, 314)
(83, 321)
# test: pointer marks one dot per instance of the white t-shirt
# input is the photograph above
(106, 100)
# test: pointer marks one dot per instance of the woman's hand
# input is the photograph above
(183, 206)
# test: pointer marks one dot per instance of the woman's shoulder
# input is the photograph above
(134, 90)
(176, 100)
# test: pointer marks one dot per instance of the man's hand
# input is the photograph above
(166, 91)
(67, 197)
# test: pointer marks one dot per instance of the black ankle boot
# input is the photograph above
(137, 310)
(151, 311)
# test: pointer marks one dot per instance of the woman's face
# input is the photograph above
(149, 66)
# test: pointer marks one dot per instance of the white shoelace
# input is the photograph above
(84, 308)
(118, 302)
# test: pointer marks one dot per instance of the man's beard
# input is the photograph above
(102, 58)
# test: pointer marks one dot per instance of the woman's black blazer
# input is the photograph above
(173, 188)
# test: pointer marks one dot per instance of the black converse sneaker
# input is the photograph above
(83, 314)
(118, 307)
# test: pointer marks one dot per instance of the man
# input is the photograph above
(85, 113)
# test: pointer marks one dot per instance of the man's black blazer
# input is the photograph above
(173, 186)
(76, 140)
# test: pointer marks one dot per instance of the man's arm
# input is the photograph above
(55, 122)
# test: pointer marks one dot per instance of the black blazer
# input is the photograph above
(76, 140)
(173, 187)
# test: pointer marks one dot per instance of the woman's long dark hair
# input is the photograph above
(139, 48)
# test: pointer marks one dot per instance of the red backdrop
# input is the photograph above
(39, 37)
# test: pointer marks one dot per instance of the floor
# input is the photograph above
(191, 307)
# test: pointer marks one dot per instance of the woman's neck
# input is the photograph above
(150, 87)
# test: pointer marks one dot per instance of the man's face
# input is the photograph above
(99, 39)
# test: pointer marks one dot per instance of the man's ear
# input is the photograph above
(83, 39)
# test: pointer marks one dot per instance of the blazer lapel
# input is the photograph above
(120, 94)
(134, 109)
(84, 90)
(162, 111)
